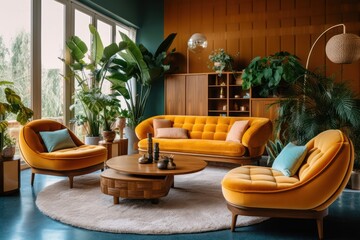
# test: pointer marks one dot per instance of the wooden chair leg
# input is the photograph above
(233, 221)
(320, 227)
(32, 178)
(71, 181)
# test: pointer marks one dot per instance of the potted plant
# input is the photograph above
(111, 111)
(8, 150)
(90, 76)
(221, 61)
(12, 104)
(271, 72)
(137, 62)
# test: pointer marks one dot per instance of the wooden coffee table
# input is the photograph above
(126, 178)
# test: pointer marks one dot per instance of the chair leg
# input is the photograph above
(32, 178)
(319, 223)
(71, 181)
(233, 221)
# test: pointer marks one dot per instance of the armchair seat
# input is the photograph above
(70, 162)
(263, 191)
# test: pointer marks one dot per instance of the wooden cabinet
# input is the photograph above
(9, 175)
(186, 94)
(207, 94)
(261, 107)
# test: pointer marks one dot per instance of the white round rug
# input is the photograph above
(196, 204)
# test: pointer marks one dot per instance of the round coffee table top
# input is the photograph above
(129, 164)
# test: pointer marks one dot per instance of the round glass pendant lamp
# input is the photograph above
(197, 42)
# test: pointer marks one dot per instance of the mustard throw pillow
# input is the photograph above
(56, 140)
(290, 158)
(237, 130)
(160, 123)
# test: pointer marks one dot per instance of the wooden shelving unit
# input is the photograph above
(226, 96)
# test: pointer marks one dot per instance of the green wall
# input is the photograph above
(148, 16)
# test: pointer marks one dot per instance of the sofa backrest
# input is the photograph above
(202, 127)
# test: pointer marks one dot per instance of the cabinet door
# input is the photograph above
(175, 95)
(260, 107)
(196, 95)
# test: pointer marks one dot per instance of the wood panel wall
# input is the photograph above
(253, 28)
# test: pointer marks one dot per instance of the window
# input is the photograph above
(52, 47)
(59, 20)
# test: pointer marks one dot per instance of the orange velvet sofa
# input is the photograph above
(207, 135)
(263, 191)
(70, 162)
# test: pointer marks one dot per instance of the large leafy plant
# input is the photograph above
(137, 62)
(90, 70)
(317, 105)
(271, 72)
(11, 104)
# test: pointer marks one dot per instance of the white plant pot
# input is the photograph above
(132, 140)
(92, 140)
(355, 180)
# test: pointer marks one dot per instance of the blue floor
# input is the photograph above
(20, 219)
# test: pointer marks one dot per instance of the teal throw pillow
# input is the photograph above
(55, 140)
(290, 158)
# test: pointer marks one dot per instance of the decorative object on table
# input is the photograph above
(143, 159)
(196, 43)
(162, 164)
(221, 61)
(156, 152)
(150, 147)
(171, 165)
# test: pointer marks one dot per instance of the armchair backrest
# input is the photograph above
(30, 136)
(328, 165)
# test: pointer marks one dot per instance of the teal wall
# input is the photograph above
(148, 16)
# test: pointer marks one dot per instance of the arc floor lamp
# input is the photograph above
(196, 43)
(341, 48)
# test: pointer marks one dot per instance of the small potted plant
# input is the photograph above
(8, 150)
(111, 110)
(221, 61)
(11, 105)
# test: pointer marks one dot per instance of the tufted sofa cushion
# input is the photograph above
(207, 135)
(314, 186)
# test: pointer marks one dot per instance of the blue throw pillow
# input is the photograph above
(55, 140)
(290, 159)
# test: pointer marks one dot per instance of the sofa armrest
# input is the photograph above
(144, 127)
(257, 135)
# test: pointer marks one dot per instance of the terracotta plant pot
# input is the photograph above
(8, 152)
(109, 136)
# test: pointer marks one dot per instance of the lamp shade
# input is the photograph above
(343, 48)
(197, 42)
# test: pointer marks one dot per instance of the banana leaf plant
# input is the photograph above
(11, 104)
(136, 61)
(89, 69)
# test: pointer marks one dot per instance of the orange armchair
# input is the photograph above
(263, 191)
(70, 162)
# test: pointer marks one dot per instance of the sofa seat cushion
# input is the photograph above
(85, 155)
(198, 146)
